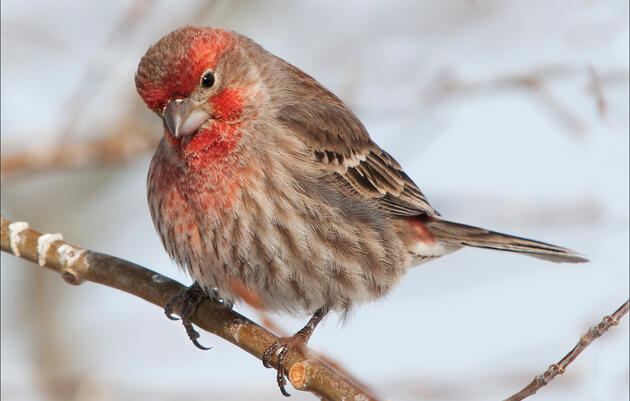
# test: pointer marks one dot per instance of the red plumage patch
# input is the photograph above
(227, 105)
(209, 146)
(183, 68)
(422, 231)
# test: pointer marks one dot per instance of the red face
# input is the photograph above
(185, 78)
(173, 67)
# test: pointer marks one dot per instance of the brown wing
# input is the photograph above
(341, 144)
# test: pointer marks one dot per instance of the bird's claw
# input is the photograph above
(189, 299)
(169, 309)
(282, 348)
(193, 335)
(283, 345)
(266, 358)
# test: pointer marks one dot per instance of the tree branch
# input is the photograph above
(77, 265)
(558, 368)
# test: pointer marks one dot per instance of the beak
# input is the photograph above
(183, 118)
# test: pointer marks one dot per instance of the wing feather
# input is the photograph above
(341, 144)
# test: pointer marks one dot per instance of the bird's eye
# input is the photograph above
(207, 80)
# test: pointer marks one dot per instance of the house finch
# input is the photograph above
(266, 181)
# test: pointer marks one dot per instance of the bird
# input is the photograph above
(266, 183)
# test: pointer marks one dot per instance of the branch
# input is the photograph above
(77, 265)
(558, 368)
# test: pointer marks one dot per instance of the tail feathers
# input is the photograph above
(461, 234)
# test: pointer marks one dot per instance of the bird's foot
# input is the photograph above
(282, 347)
(284, 344)
(189, 299)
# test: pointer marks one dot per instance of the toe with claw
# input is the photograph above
(282, 348)
(285, 344)
(189, 299)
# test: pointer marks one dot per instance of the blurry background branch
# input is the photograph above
(98, 69)
(77, 265)
(537, 81)
(127, 140)
(558, 368)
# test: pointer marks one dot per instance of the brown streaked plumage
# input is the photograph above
(265, 182)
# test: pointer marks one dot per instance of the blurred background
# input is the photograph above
(509, 115)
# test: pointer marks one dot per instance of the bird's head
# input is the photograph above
(200, 82)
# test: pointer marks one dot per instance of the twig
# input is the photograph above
(559, 368)
(77, 265)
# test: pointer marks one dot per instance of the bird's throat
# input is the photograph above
(210, 148)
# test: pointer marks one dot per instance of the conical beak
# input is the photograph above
(183, 118)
